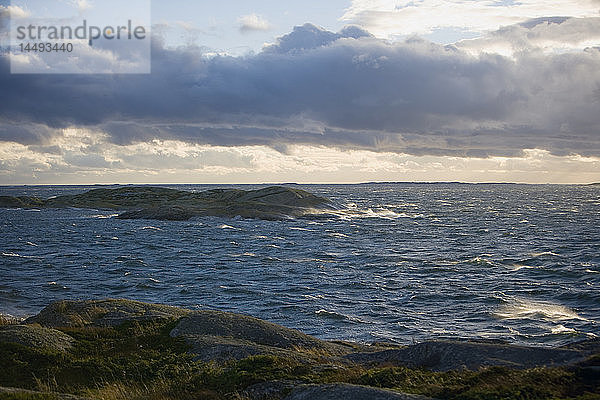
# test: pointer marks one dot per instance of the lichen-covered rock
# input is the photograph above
(444, 355)
(36, 337)
(337, 391)
(103, 313)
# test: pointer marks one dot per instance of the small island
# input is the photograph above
(147, 202)
(123, 349)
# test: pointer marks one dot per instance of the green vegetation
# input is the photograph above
(489, 383)
(139, 360)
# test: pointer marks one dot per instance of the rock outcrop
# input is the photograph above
(102, 313)
(339, 391)
(290, 390)
(146, 202)
(36, 337)
(221, 336)
(445, 355)
(288, 364)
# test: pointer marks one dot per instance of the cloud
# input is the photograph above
(78, 157)
(540, 34)
(392, 18)
(13, 12)
(253, 23)
(309, 36)
(6, 13)
(347, 90)
(82, 5)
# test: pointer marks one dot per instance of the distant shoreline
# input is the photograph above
(297, 184)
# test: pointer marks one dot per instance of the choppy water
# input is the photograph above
(398, 262)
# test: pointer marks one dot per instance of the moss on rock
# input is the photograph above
(103, 313)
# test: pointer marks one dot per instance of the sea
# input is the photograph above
(392, 262)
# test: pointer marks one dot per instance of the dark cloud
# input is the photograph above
(346, 89)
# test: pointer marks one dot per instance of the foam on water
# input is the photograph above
(561, 329)
(225, 226)
(150, 228)
(530, 309)
(103, 216)
(518, 267)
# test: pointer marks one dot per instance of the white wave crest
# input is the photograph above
(529, 309)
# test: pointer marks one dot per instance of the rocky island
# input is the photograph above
(147, 202)
(122, 349)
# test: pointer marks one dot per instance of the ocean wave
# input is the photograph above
(56, 286)
(337, 316)
(561, 330)
(17, 255)
(351, 211)
(545, 253)
(480, 261)
(337, 235)
(225, 226)
(529, 309)
(246, 254)
(150, 228)
(103, 216)
(384, 213)
(518, 267)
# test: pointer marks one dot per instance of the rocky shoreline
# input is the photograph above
(147, 202)
(92, 348)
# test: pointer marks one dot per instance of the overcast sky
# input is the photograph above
(322, 91)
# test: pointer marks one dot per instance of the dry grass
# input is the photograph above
(9, 320)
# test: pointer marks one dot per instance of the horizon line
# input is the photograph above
(306, 183)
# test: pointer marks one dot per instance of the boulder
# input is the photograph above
(237, 326)
(222, 349)
(444, 355)
(36, 337)
(218, 335)
(337, 391)
(103, 313)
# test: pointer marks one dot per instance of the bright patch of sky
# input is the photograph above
(227, 26)
(237, 27)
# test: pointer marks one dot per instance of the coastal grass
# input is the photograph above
(141, 361)
(488, 383)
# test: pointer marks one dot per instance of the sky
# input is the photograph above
(317, 92)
